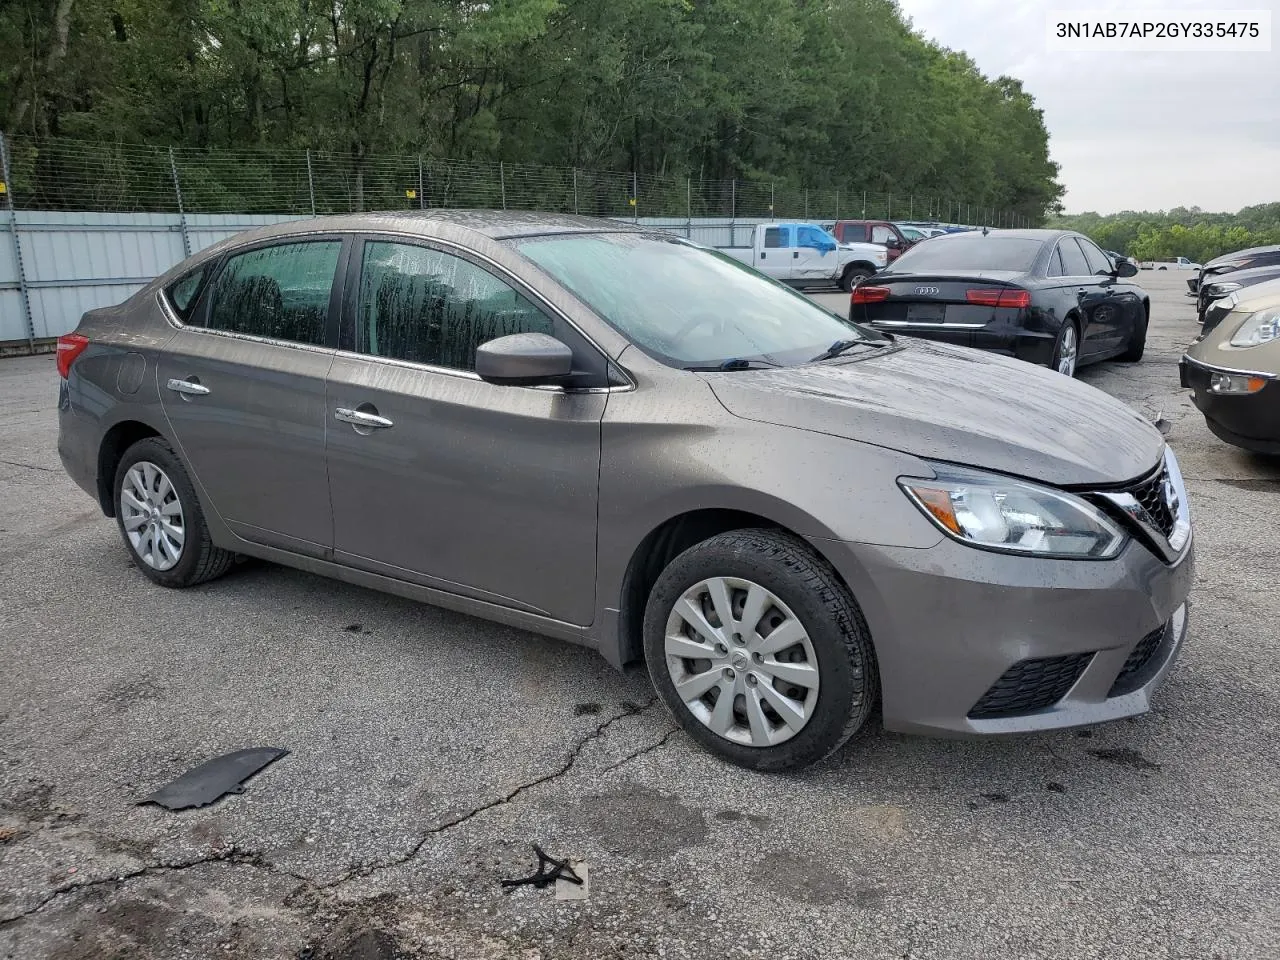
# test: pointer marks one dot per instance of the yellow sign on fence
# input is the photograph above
(3, 188)
(411, 194)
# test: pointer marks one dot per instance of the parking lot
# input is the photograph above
(428, 750)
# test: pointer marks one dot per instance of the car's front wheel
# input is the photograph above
(759, 650)
(161, 519)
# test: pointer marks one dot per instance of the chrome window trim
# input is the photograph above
(1229, 370)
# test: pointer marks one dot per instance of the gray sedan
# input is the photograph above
(634, 443)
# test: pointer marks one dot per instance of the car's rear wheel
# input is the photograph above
(853, 275)
(759, 650)
(1066, 350)
(1137, 342)
(161, 520)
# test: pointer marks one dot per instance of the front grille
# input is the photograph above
(1141, 664)
(1030, 685)
(1150, 493)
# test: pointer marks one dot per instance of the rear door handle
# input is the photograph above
(191, 389)
(360, 418)
(795, 255)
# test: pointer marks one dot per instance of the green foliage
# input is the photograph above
(1180, 232)
(841, 93)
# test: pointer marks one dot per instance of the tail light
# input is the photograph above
(70, 346)
(999, 297)
(863, 294)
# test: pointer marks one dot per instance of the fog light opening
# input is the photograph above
(1235, 383)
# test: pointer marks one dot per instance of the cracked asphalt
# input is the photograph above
(429, 750)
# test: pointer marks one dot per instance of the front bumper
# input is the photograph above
(1250, 421)
(969, 642)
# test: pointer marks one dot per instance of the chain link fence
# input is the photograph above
(70, 175)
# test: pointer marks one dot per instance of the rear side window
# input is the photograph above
(182, 293)
(1073, 262)
(430, 307)
(281, 292)
(970, 252)
(772, 238)
(1055, 264)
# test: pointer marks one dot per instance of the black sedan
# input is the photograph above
(1248, 259)
(1220, 293)
(1047, 296)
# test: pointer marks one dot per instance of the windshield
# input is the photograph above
(687, 305)
(912, 234)
(968, 251)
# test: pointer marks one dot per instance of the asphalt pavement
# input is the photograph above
(428, 750)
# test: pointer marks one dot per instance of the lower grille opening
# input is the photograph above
(1141, 664)
(1030, 685)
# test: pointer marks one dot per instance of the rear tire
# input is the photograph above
(1137, 342)
(1066, 349)
(853, 275)
(160, 518)
(824, 679)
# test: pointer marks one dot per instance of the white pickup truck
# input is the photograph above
(803, 254)
(1177, 263)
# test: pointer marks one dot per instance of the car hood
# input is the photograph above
(962, 406)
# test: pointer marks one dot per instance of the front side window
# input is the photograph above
(281, 292)
(430, 307)
(815, 238)
(880, 234)
(1098, 262)
(182, 293)
(1073, 262)
(688, 305)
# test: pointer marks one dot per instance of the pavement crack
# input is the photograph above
(230, 855)
(629, 710)
(29, 466)
(661, 742)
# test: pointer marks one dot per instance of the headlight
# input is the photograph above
(1012, 516)
(1217, 290)
(1258, 328)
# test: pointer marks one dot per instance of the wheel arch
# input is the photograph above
(119, 438)
(625, 643)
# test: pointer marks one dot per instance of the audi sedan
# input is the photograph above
(631, 442)
(1050, 297)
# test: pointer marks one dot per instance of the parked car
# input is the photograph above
(882, 232)
(617, 437)
(1049, 297)
(805, 255)
(913, 235)
(1233, 367)
(1249, 259)
(1177, 263)
(1217, 294)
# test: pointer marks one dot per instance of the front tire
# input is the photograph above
(1066, 350)
(853, 275)
(160, 518)
(759, 650)
(1137, 342)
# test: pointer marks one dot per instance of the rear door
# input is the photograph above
(774, 257)
(482, 490)
(243, 388)
(1097, 328)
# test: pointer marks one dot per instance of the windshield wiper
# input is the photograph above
(735, 363)
(841, 346)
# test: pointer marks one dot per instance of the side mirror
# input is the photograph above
(1125, 268)
(523, 360)
(892, 243)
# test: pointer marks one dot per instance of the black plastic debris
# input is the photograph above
(560, 870)
(204, 784)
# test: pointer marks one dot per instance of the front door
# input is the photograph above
(814, 258)
(484, 490)
(243, 388)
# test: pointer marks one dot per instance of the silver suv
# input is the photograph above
(637, 444)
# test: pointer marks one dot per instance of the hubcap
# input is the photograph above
(741, 661)
(1067, 353)
(152, 516)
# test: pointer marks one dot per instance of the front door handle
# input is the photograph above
(188, 387)
(362, 418)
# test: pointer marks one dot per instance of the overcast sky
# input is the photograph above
(1132, 131)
